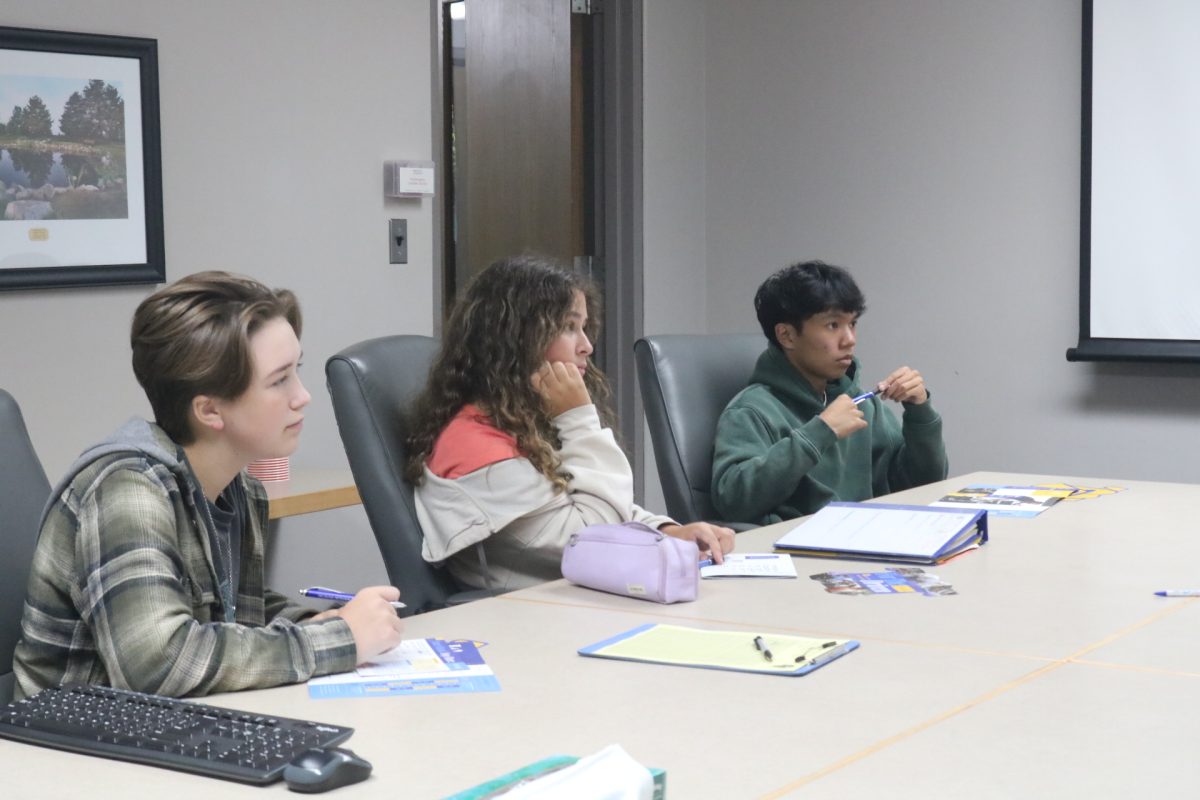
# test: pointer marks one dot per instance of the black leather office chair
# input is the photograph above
(686, 382)
(23, 493)
(372, 383)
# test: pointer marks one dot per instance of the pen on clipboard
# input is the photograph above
(817, 659)
(321, 593)
(760, 644)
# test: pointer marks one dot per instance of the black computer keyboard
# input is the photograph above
(165, 732)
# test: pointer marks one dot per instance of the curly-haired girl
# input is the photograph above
(510, 453)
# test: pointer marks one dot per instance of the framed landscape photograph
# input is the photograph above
(80, 161)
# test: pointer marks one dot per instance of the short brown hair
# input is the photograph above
(192, 337)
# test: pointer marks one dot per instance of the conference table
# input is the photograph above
(1054, 671)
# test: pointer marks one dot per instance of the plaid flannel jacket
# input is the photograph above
(123, 592)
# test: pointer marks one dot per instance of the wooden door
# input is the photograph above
(540, 147)
(519, 171)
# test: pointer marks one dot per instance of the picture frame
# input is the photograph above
(80, 206)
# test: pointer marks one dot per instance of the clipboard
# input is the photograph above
(736, 651)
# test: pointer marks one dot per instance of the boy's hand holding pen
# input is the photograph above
(843, 416)
(371, 615)
(904, 385)
(321, 593)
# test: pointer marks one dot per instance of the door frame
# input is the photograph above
(617, 126)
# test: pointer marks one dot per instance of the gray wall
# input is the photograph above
(673, 183)
(276, 118)
(675, 254)
(930, 146)
(933, 148)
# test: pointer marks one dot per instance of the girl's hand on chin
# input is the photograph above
(561, 387)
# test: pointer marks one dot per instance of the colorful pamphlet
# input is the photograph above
(901, 580)
(415, 666)
(1083, 492)
(1005, 501)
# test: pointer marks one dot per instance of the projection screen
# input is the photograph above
(1139, 291)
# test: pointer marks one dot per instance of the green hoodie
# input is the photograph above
(775, 459)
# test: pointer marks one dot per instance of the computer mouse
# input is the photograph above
(319, 770)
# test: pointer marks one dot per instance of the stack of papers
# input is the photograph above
(415, 666)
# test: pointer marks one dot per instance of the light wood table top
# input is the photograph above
(311, 490)
(1054, 672)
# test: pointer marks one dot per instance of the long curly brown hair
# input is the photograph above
(495, 340)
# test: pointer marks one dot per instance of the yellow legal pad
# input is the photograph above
(741, 651)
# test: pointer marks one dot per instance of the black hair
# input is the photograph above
(795, 293)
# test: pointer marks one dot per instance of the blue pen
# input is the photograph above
(864, 396)
(1179, 593)
(321, 593)
(708, 562)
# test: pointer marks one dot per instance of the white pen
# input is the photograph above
(1179, 593)
(862, 397)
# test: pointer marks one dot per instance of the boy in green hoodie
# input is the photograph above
(804, 432)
